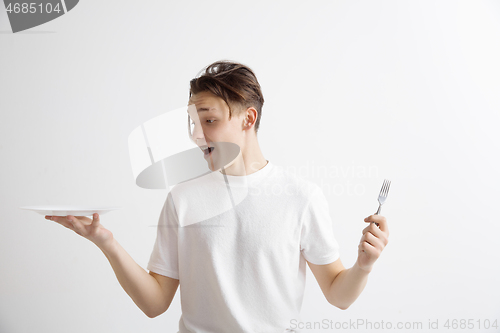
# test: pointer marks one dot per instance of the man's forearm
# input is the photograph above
(347, 286)
(142, 287)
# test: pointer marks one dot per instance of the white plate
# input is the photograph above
(69, 210)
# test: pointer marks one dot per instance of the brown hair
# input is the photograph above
(235, 83)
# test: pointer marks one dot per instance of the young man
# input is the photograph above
(237, 239)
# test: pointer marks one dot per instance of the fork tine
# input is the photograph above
(386, 190)
(382, 189)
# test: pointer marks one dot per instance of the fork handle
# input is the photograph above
(378, 212)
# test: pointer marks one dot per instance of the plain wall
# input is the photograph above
(402, 90)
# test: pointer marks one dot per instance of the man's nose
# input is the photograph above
(198, 135)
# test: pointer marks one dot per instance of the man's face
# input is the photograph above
(213, 128)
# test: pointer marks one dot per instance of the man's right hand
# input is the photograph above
(152, 293)
(85, 227)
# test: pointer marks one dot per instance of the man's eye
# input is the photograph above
(210, 121)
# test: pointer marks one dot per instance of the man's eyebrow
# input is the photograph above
(207, 109)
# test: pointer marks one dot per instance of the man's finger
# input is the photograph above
(370, 238)
(371, 228)
(61, 220)
(381, 220)
(77, 224)
(367, 247)
(374, 241)
(96, 221)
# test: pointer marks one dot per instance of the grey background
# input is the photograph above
(408, 89)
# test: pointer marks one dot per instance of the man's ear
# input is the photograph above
(251, 116)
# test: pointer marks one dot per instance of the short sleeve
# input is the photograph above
(317, 243)
(164, 258)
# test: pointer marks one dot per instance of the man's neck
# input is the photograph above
(247, 162)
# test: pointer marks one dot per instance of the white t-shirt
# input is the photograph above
(237, 245)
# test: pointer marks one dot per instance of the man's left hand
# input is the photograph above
(373, 241)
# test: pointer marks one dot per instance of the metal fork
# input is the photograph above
(381, 197)
(383, 194)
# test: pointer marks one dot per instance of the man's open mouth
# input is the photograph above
(207, 150)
